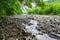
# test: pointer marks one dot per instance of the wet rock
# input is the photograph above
(13, 29)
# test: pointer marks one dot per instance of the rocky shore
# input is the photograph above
(12, 28)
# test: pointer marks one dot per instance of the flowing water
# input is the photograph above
(32, 29)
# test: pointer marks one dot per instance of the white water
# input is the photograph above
(34, 31)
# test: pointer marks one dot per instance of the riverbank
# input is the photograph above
(11, 26)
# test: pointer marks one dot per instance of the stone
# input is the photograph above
(12, 28)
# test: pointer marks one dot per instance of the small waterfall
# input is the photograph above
(32, 29)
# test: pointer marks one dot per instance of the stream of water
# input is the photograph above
(32, 29)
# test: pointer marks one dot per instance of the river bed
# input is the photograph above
(32, 29)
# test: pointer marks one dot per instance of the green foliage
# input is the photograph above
(28, 3)
(9, 7)
(34, 10)
(49, 9)
(52, 1)
(56, 8)
(46, 9)
(39, 2)
(21, 1)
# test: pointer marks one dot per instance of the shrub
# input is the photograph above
(56, 8)
(35, 10)
(9, 7)
(42, 11)
(48, 9)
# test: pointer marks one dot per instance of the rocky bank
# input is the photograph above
(12, 28)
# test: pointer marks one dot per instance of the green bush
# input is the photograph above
(48, 9)
(9, 7)
(34, 10)
(41, 11)
(56, 8)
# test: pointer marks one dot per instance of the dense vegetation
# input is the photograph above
(11, 7)
(48, 9)
(51, 1)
